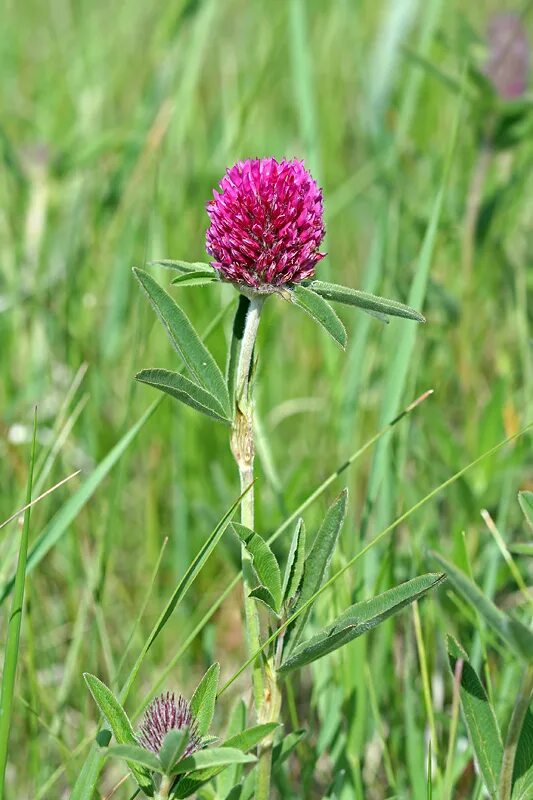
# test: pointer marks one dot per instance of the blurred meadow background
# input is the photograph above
(117, 122)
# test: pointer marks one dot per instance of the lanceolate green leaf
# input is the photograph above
(120, 725)
(173, 747)
(479, 716)
(231, 776)
(359, 619)
(295, 563)
(318, 561)
(320, 310)
(197, 278)
(185, 340)
(264, 564)
(251, 736)
(204, 699)
(523, 765)
(364, 300)
(212, 757)
(512, 631)
(243, 741)
(282, 750)
(183, 389)
(135, 756)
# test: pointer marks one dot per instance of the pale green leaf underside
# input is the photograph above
(364, 300)
(359, 619)
(320, 310)
(184, 390)
(480, 719)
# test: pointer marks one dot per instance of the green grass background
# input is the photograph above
(117, 121)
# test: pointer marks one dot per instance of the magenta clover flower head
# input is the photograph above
(508, 60)
(266, 224)
(166, 713)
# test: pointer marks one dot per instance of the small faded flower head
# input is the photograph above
(508, 62)
(166, 713)
(266, 224)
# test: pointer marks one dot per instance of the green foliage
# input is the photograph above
(364, 300)
(213, 757)
(204, 699)
(295, 563)
(526, 504)
(265, 566)
(11, 652)
(172, 749)
(317, 562)
(119, 723)
(479, 716)
(183, 389)
(523, 763)
(185, 340)
(320, 311)
(511, 631)
(358, 619)
(104, 166)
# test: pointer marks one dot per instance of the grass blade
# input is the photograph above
(62, 520)
(511, 631)
(14, 625)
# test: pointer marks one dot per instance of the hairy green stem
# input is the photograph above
(269, 713)
(513, 734)
(242, 446)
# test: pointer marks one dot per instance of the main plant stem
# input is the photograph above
(266, 692)
(242, 446)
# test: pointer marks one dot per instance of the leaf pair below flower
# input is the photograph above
(207, 392)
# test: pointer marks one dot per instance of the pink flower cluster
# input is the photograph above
(167, 712)
(266, 223)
